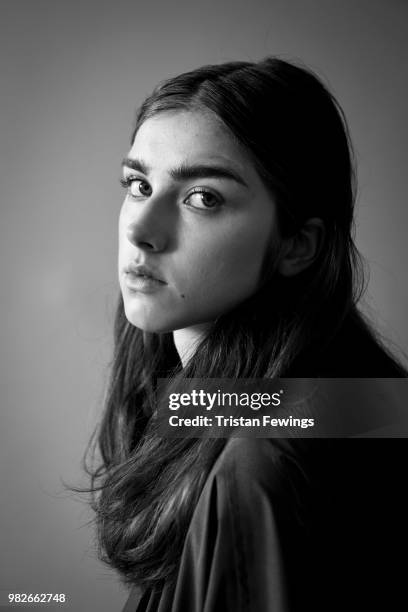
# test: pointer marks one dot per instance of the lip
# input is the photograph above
(143, 272)
(142, 278)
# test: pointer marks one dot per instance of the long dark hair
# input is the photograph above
(144, 488)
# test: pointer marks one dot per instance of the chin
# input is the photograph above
(159, 324)
(151, 324)
(152, 327)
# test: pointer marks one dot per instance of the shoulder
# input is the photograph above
(358, 351)
(252, 474)
(355, 350)
(253, 460)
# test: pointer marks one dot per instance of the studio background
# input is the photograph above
(72, 74)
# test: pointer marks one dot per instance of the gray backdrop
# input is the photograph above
(72, 73)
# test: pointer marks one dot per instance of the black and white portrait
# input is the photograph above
(203, 192)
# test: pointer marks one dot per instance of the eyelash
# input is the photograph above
(128, 180)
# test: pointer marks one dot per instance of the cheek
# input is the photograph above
(227, 264)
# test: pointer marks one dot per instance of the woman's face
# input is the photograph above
(197, 216)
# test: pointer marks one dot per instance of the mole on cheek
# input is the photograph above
(182, 295)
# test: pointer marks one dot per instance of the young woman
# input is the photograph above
(236, 260)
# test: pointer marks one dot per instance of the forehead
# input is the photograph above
(188, 136)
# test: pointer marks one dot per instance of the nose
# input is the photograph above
(149, 227)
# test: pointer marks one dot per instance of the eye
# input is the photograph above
(136, 187)
(202, 199)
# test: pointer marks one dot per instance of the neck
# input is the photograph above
(186, 340)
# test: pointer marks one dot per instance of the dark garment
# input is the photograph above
(299, 525)
(288, 525)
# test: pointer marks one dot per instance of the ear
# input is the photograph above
(300, 250)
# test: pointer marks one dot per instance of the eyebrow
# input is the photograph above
(185, 172)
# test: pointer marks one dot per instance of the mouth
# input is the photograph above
(142, 273)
